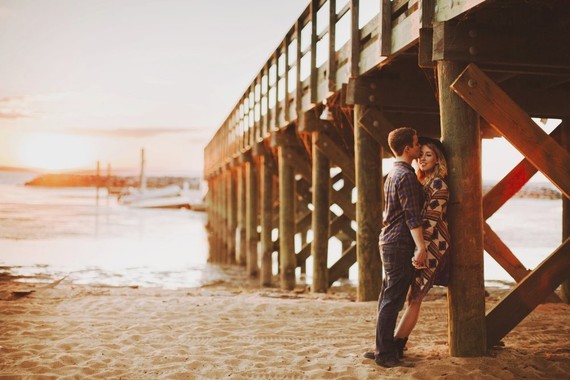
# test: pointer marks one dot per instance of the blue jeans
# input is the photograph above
(398, 276)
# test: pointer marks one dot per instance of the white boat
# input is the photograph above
(172, 196)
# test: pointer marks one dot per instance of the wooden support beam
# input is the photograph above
(526, 45)
(304, 222)
(332, 64)
(241, 246)
(344, 203)
(466, 291)
(336, 154)
(539, 101)
(512, 182)
(300, 164)
(528, 294)
(341, 224)
(369, 205)
(354, 58)
(425, 41)
(565, 143)
(287, 259)
(338, 224)
(377, 125)
(320, 221)
(404, 87)
(492, 103)
(447, 10)
(340, 268)
(503, 255)
(251, 217)
(267, 170)
(385, 28)
(225, 216)
(232, 214)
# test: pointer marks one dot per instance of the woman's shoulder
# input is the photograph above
(438, 183)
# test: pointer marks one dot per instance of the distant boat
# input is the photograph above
(172, 196)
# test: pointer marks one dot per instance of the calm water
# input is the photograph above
(52, 233)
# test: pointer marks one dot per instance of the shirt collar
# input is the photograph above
(404, 165)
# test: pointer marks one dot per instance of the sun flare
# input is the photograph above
(55, 152)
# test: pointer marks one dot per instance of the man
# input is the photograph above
(401, 234)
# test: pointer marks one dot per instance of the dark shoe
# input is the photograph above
(388, 360)
(401, 346)
(370, 355)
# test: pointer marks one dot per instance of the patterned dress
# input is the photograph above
(436, 235)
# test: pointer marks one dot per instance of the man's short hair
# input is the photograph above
(399, 138)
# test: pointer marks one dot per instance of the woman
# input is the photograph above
(431, 173)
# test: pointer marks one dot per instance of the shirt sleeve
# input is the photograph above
(411, 200)
(437, 199)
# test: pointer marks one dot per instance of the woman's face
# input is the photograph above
(427, 160)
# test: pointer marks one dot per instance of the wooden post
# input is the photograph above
(565, 294)
(320, 217)
(466, 291)
(368, 171)
(287, 258)
(251, 217)
(232, 215)
(346, 244)
(266, 246)
(240, 230)
(223, 217)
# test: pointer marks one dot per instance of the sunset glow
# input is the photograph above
(55, 152)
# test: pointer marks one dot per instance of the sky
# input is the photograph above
(86, 81)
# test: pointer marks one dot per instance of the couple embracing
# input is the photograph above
(414, 240)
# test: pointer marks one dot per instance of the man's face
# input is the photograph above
(415, 150)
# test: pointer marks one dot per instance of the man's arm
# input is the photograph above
(420, 256)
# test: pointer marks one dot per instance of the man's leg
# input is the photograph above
(397, 279)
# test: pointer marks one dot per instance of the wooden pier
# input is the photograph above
(311, 129)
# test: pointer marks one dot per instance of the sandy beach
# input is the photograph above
(234, 330)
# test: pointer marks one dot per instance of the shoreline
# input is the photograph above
(232, 329)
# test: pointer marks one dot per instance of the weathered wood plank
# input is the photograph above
(241, 242)
(528, 294)
(385, 28)
(369, 207)
(251, 217)
(503, 255)
(377, 125)
(466, 291)
(345, 203)
(267, 170)
(525, 45)
(287, 259)
(340, 268)
(448, 9)
(354, 58)
(492, 103)
(337, 155)
(320, 221)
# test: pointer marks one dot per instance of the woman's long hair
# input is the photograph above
(440, 168)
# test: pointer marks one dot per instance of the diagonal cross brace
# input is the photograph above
(495, 106)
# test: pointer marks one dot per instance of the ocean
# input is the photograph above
(50, 233)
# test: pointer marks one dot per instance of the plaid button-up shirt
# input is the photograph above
(403, 203)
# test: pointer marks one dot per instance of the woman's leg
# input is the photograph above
(408, 320)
